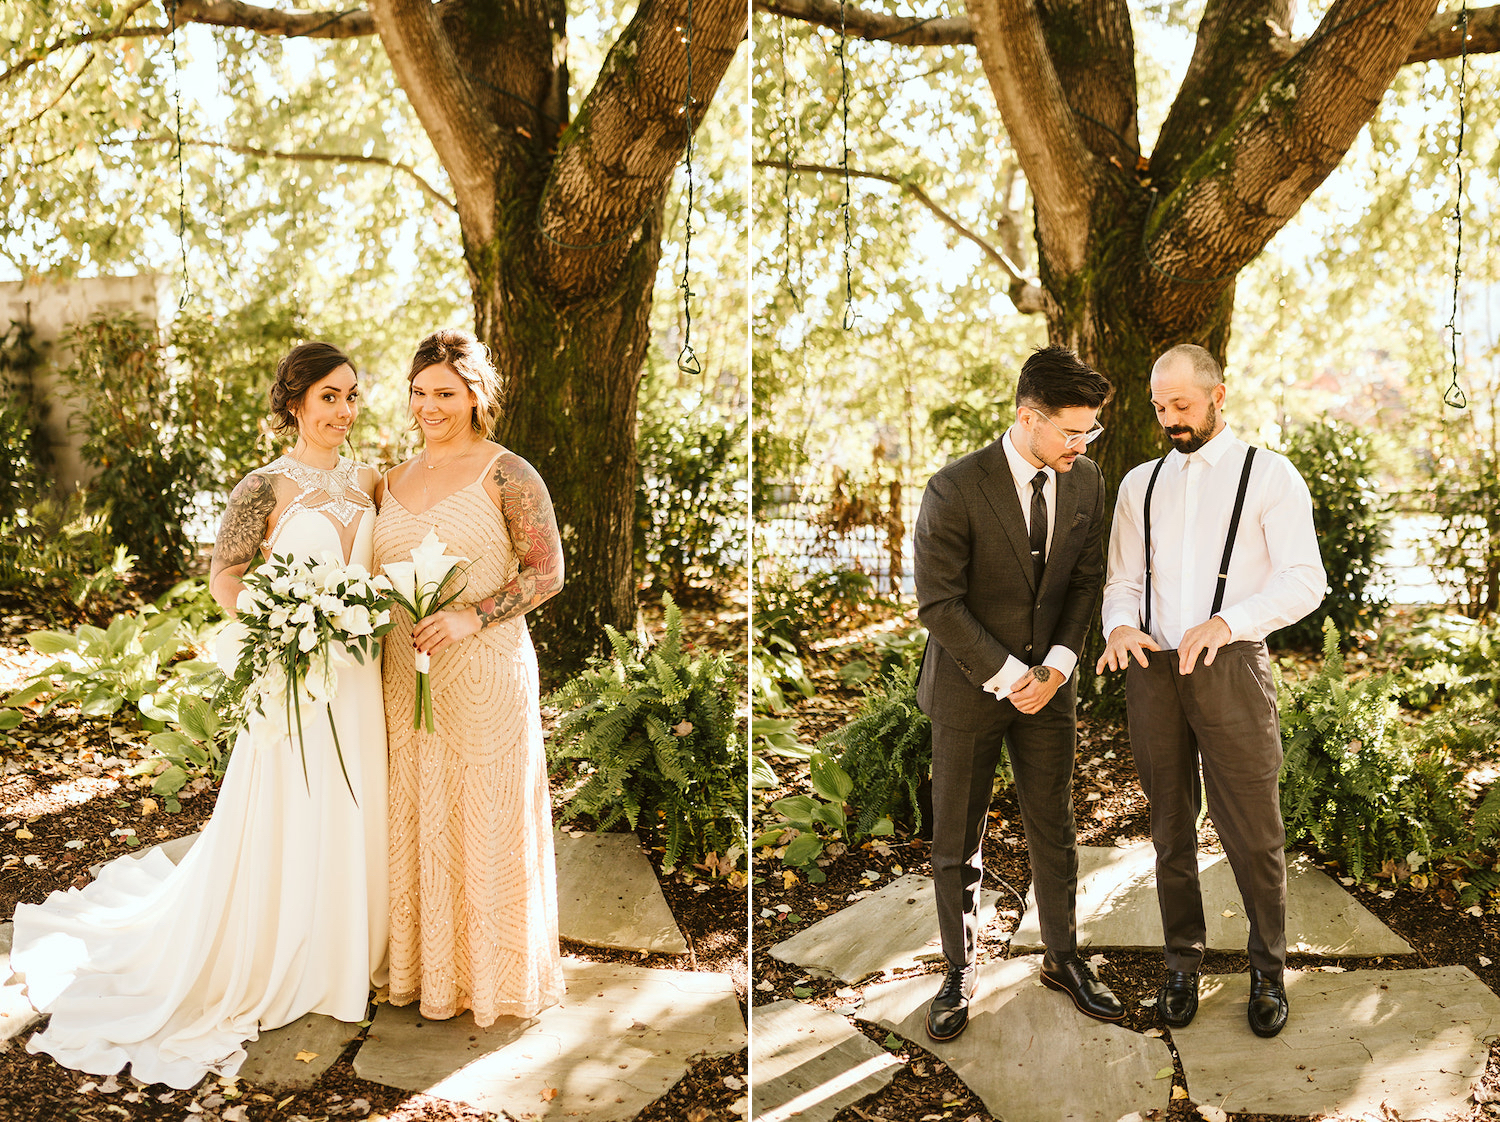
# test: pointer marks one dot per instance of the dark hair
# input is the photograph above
(305, 366)
(1055, 378)
(467, 357)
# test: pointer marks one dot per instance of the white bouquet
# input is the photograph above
(296, 625)
(417, 585)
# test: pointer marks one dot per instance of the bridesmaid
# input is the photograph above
(473, 888)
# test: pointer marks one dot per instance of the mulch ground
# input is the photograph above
(1108, 807)
(67, 802)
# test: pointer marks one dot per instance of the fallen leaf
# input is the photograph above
(682, 729)
(1153, 1033)
(306, 1057)
(1164, 1073)
(789, 878)
(1228, 913)
(24, 834)
(235, 1114)
(548, 1094)
(1179, 1092)
(1212, 1113)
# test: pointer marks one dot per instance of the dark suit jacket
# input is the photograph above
(975, 588)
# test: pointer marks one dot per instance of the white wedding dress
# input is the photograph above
(280, 907)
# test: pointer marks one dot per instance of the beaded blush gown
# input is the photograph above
(473, 884)
(278, 909)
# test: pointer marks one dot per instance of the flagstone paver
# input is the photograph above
(1363, 1042)
(1028, 1053)
(272, 1060)
(890, 929)
(608, 895)
(621, 1038)
(1117, 907)
(810, 1063)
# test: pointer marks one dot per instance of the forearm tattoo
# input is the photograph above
(527, 510)
(244, 524)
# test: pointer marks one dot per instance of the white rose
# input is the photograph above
(356, 571)
(354, 621)
(330, 605)
(303, 614)
(281, 584)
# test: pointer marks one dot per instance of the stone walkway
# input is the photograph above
(810, 1064)
(1415, 1040)
(620, 1039)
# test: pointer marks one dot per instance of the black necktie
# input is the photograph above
(1038, 526)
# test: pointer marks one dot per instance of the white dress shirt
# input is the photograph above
(1059, 658)
(1275, 575)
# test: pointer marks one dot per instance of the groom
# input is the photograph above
(1008, 571)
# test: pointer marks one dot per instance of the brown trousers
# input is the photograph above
(1223, 716)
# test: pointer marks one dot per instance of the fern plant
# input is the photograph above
(1353, 782)
(660, 746)
(887, 752)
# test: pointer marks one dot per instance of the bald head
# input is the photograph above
(1188, 360)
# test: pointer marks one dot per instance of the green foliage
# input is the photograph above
(1353, 782)
(801, 609)
(60, 557)
(1447, 657)
(131, 670)
(1465, 552)
(806, 818)
(690, 500)
(1338, 462)
(887, 751)
(25, 452)
(660, 747)
(138, 435)
(775, 668)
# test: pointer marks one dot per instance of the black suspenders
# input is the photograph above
(1234, 527)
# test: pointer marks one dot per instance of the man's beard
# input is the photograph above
(1195, 438)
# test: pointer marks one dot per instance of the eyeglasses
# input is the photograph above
(1073, 439)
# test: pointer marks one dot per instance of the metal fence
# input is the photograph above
(817, 528)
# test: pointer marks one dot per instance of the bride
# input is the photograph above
(280, 907)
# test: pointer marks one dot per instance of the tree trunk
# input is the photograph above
(571, 373)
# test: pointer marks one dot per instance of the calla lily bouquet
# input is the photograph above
(418, 586)
(296, 624)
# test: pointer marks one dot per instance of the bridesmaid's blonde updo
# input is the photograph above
(305, 366)
(467, 357)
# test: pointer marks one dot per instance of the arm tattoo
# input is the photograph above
(527, 510)
(1041, 673)
(244, 525)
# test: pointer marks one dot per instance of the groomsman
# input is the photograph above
(1211, 550)
(1008, 566)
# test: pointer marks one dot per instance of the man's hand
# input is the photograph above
(1125, 641)
(1205, 639)
(1035, 688)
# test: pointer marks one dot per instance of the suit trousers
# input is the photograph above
(1042, 747)
(1222, 717)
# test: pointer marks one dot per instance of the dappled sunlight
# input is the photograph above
(22, 796)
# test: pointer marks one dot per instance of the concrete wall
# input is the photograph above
(51, 307)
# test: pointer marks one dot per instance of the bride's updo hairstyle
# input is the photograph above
(467, 357)
(305, 366)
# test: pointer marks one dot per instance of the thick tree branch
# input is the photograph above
(1024, 292)
(1441, 38)
(861, 23)
(1093, 51)
(350, 23)
(1248, 182)
(310, 157)
(1041, 126)
(615, 161)
(1239, 45)
(465, 137)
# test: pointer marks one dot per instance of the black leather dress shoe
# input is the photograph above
(948, 1014)
(1177, 1000)
(1074, 978)
(1268, 1006)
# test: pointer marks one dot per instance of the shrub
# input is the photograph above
(1448, 656)
(135, 435)
(690, 500)
(1465, 552)
(887, 752)
(660, 747)
(775, 669)
(1352, 782)
(25, 452)
(1350, 517)
(802, 609)
(60, 559)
